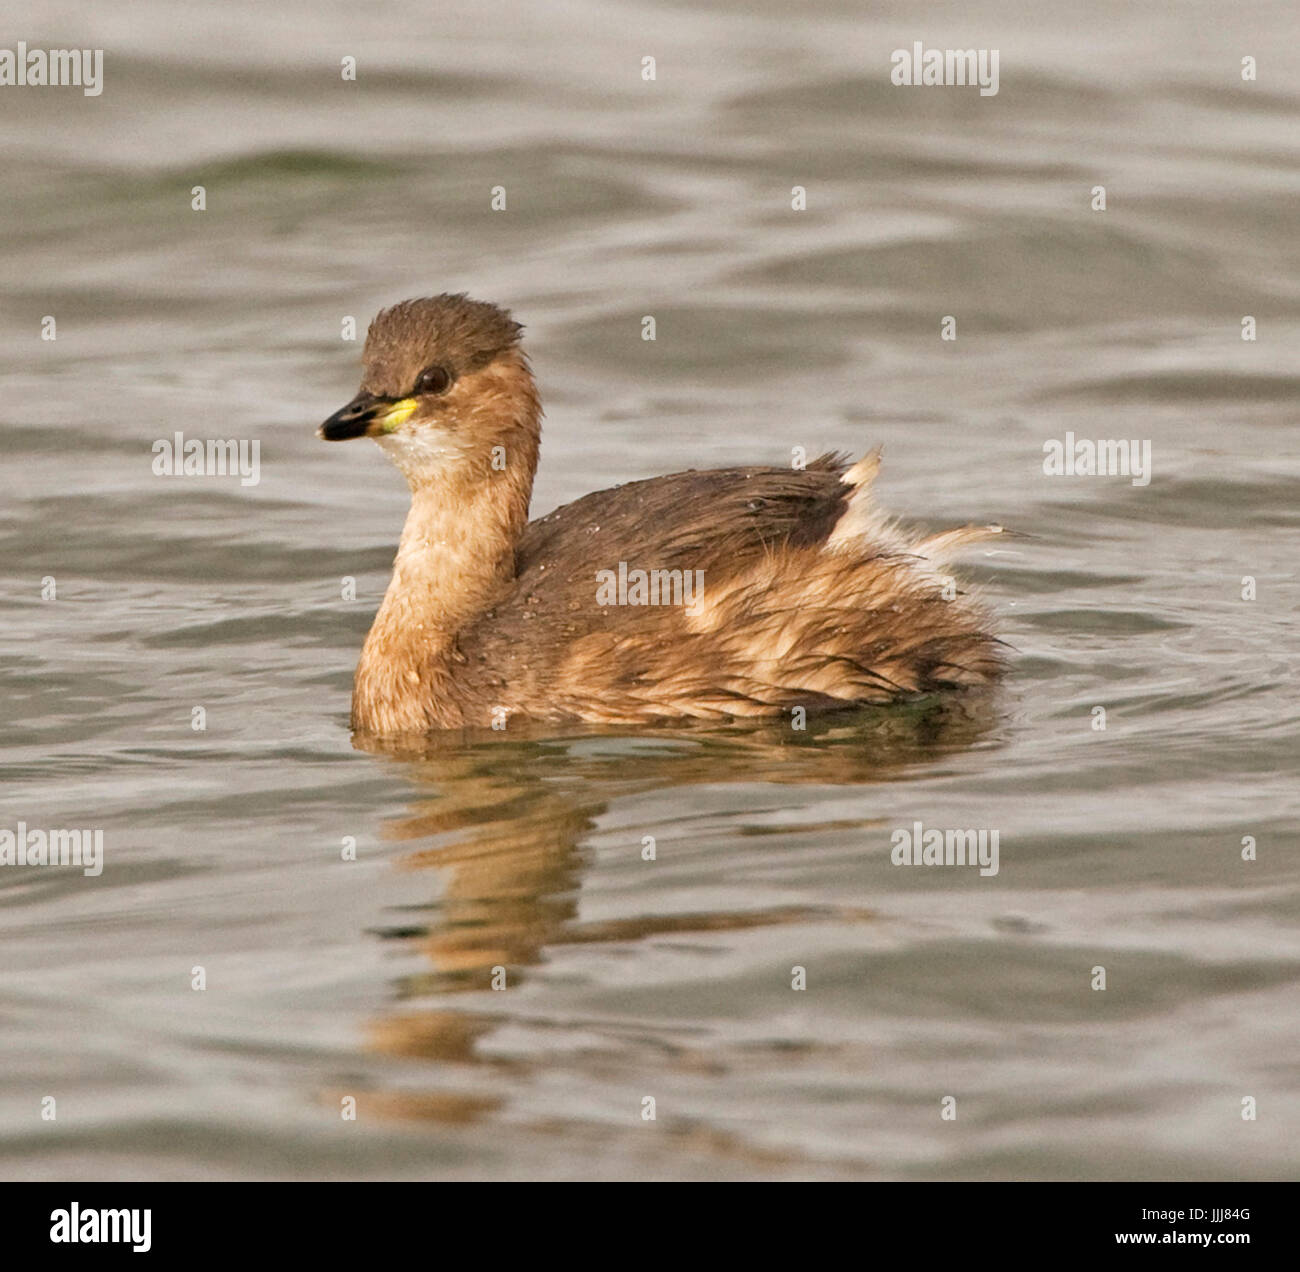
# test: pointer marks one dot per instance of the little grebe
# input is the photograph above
(712, 595)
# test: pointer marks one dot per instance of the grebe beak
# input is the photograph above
(367, 416)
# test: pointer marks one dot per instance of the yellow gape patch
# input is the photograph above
(396, 415)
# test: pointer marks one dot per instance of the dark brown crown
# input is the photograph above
(452, 331)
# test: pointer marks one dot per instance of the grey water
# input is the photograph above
(178, 650)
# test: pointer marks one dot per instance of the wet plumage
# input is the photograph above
(809, 597)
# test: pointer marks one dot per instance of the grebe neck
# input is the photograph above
(456, 558)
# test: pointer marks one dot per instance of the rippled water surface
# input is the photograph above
(326, 979)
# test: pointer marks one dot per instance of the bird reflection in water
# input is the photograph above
(503, 819)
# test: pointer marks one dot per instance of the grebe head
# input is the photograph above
(446, 391)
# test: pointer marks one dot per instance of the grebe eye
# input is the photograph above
(433, 380)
